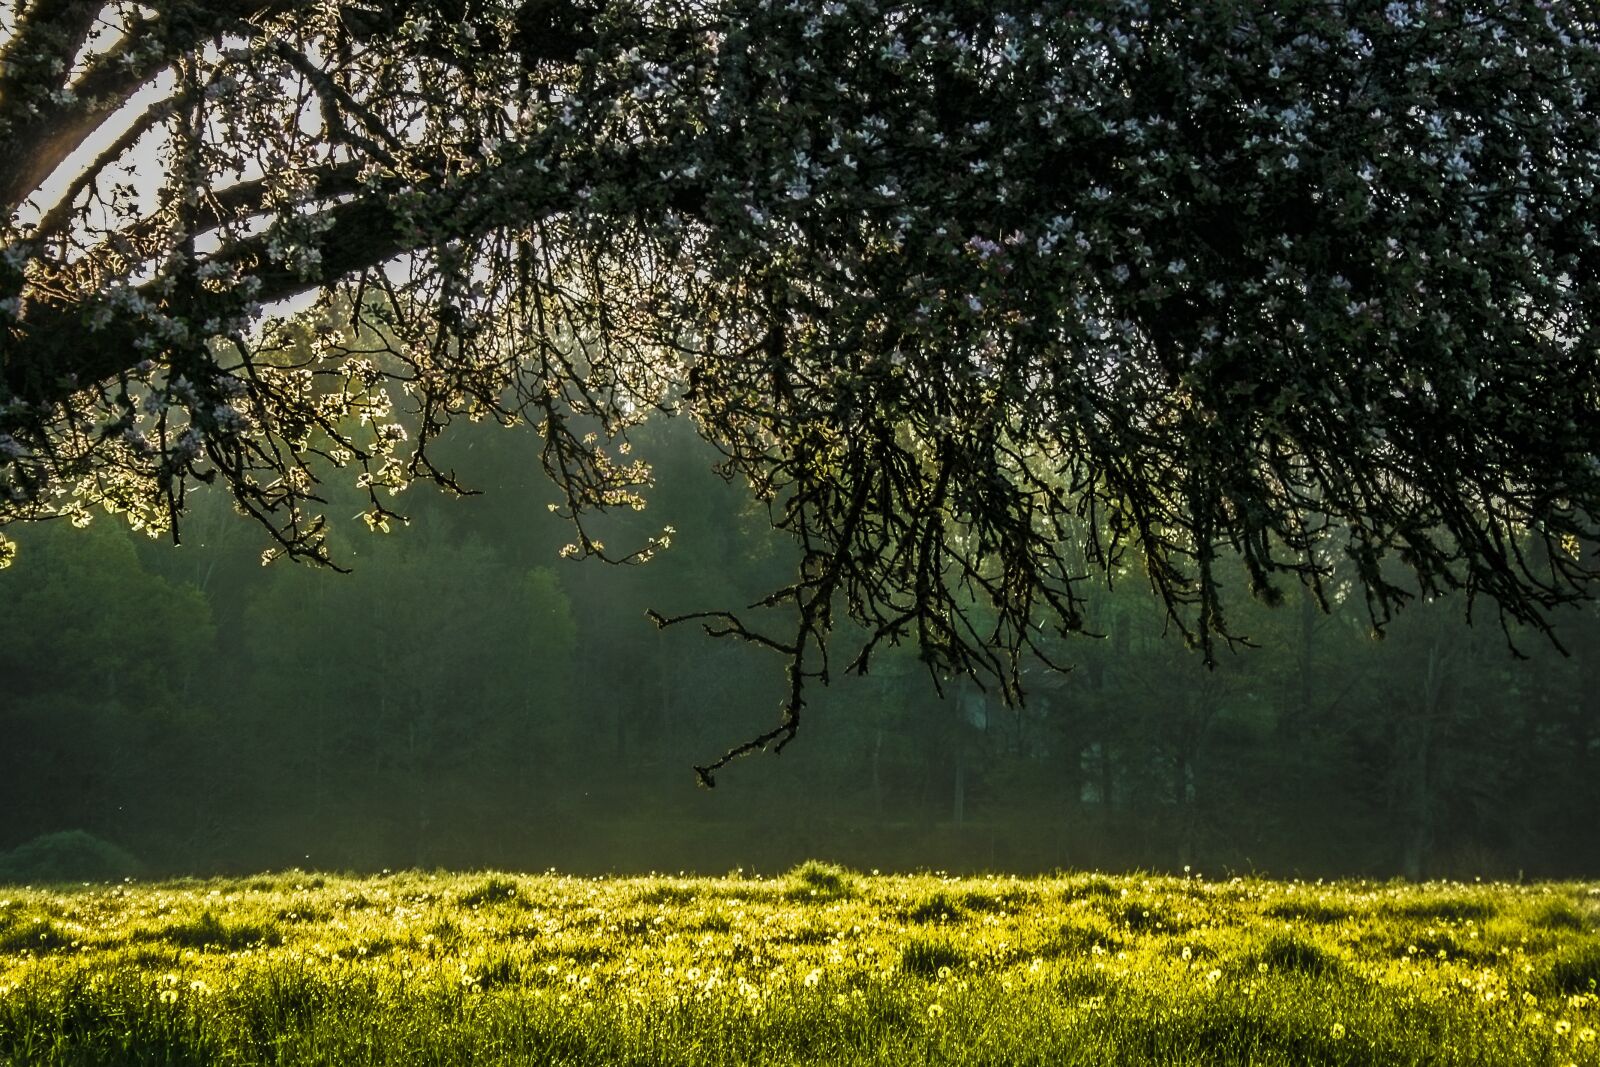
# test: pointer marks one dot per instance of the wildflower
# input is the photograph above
(1562, 1026)
(935, 1010)
(813, 977)
(1337, 1031)
(1586, 1034)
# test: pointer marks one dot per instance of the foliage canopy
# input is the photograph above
(981, 299)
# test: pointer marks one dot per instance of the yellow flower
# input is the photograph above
(935, 1010)
(1586, 1034)
(1337, 1031)
(1562, 1027)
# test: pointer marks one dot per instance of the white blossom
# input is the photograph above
(1399, 15)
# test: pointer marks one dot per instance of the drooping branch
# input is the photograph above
(985, 305)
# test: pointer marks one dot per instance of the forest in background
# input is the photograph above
(467, 698)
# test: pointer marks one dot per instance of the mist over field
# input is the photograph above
(465, 697)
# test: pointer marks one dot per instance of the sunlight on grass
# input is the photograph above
(822, 965)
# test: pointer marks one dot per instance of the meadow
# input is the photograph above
(817, 966)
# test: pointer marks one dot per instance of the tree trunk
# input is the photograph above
(1419, 836)
(960, 808)
(877, 778)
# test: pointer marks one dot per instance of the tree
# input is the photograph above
(406, 751)
(966, 292)
(96, 736)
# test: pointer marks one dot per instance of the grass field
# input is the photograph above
(818, 966)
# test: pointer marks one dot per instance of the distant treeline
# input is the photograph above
(465, 697)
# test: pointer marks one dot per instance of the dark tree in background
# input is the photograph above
(982, 300)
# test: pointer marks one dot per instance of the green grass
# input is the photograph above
(820, 966)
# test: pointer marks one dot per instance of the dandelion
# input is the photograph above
(1214, 977)
(1562, 1027)
(169, 996)
(812, 977)
(1586, 1034)
(935, 1010)
(1337, 1031)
